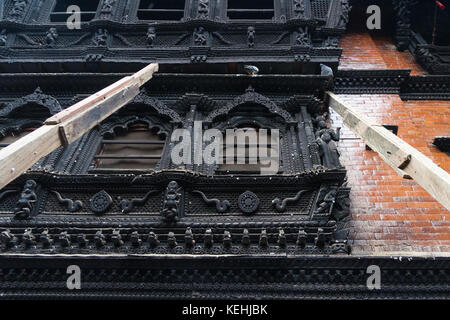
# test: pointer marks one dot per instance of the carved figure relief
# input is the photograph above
(345, 11)
(203, 9)
(303, 38)
(107, 8)
(299, 9)
(251, 37)
(51, 37)
(3, 38)
(326, 200)
(325, 138)
(171, 202)
(200, 36)
(331, 42)
(27, 199)
(100, 37)
(17, 12)
(151, 35)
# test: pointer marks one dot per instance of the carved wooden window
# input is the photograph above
(252, 164)
(251, 9)
(88, 10)
(13, 137)
(169, 10)
(137, 148)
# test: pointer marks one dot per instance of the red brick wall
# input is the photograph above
(363, 51)
(391, 214)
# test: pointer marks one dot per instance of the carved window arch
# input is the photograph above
(251, 98)
(23, 115)
(88, 10)
(164, 10)
(251, 9)
(136, 144)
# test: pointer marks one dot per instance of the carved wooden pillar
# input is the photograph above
(403, 22)
(303, 142)
(310, 138)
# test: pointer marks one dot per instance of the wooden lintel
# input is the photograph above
(406, 160)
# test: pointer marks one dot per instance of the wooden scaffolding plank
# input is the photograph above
(74, 127)
(70, 124)
(22, 154)
(139, 78)
(406, 160)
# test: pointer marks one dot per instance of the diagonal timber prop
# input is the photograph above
(70, 124)
(406, 160)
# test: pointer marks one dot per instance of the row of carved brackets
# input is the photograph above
(45, 239)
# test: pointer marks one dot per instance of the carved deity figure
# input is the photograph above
(100, 37)
(171, 202)
(251, 37)
(331, 42)
(51, 36)
(345, 11)
(27, 199)
(203, 9)
(18, 9)
(3, 38)
(325, 138)
(299, 8)
(303, 37)
(107, 6)
(200, 36)
(326, 204)
(151, 35)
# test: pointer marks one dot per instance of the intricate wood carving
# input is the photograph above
(18, 10)
(171, 204)
(26, 202)
(221, 206)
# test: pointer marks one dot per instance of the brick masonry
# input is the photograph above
(390, 214)
(365, 51)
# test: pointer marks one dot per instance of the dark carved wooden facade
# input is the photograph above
(311, 202)
(415, 34)
(267, 232)
(299, 31)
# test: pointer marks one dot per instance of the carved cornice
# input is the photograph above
(427, 87)
(370, 81)
(276, 277)
(123, 39)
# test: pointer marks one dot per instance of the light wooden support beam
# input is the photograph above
(406, 160)
(70, 124)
